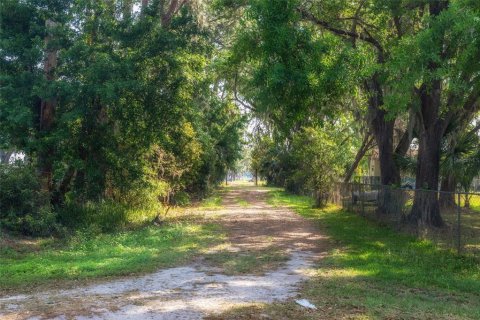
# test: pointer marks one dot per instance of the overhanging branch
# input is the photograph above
(345, 33)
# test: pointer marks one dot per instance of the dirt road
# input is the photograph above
(255, 229)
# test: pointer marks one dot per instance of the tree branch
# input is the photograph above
(367, 144)
(327, 26)
(248, 106)
(175, 6)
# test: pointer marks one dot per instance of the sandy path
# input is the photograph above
(198, 289)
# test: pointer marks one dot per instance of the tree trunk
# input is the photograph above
(389, 173)
(467, 200)
(173, 7)
(321, 199)
(256, 177)
(426, 208)
(447, 196)
(144, 5)
(382, 129)
(127, 9)
(47, 114)
(366, 145)
(58, 197)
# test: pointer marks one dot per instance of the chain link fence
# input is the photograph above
(392, 206)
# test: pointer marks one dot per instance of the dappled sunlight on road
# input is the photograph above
(254, 229)
(182, 292)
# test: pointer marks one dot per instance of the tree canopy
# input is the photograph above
(118, 101)
(406, 69)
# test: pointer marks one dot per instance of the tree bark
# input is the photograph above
(366, 145)
(382, 129)
(448, 188)
(173, 8)
(65, 185)
(406, 140)
(144, 5)
(47, 113)
(467, 200)
(127, 9)
(389, 173)
(321, 199)
(426, 208)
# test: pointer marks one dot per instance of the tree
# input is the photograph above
(367, 26)
(108, 103)
(441, 71)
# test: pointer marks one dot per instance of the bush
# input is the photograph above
(311, 162)
(181, 198)
(135, 207)
(104, 215)
(24, 208)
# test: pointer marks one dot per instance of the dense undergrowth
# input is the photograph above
(27, 210)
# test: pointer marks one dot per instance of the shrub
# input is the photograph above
(311, 162)
(104, 216)
(181, 198)
(135, 207)
(24, 208)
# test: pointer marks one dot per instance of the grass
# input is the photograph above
(373, 272)
(242, 203)
(47, 262)
(250, 262)
(474, 201)
(213, 201)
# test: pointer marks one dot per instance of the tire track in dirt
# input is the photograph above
(197, 289)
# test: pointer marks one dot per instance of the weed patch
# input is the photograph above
(87, 256)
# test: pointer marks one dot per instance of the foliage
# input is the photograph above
(443, 49)
(461, 156)
(320, 158)
(288, 72)
(261, 144)
(24, 208)
(111, 105)
(405, 69)
(136, 119)
(312, 162)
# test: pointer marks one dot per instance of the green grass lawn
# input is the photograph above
(213, 201)
(373, 272)
(474, 200)
(46, 262)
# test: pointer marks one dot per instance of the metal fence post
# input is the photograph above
(362, 198)
(459, 235)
